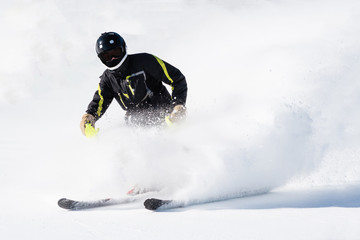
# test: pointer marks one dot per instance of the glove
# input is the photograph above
(178, 113)
(87, 119)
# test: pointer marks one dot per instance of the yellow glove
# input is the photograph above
(177, 114)
(87, 125)
(90, 131)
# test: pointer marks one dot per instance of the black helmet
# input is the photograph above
(110, 48)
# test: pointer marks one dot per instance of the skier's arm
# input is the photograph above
(101, 101)
(172, 76)
(97, 107)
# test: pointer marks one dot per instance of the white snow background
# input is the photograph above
(273, 108)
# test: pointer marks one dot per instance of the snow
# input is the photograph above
(272, 109)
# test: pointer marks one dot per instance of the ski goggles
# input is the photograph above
(109, 55)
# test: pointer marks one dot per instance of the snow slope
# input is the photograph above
(272, 109)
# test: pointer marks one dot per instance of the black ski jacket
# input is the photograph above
(138, 85)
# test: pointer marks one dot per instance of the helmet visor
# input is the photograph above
(112, 54)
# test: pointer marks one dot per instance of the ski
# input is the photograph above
(70, 204)
(156, 204)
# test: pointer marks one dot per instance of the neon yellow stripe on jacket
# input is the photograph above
(100, 102)
(162, 64)
(122, 101)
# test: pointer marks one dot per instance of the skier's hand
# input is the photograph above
(177, 114)
(87, 119)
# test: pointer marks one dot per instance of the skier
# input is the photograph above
(136, 82)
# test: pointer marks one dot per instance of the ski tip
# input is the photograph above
(154, 204)
(66, 203)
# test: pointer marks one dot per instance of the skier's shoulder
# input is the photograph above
(141, 57)
(104, 75)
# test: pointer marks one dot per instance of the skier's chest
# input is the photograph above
(130, 89)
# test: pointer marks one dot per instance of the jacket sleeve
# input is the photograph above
(170, 75)
(101, 100)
